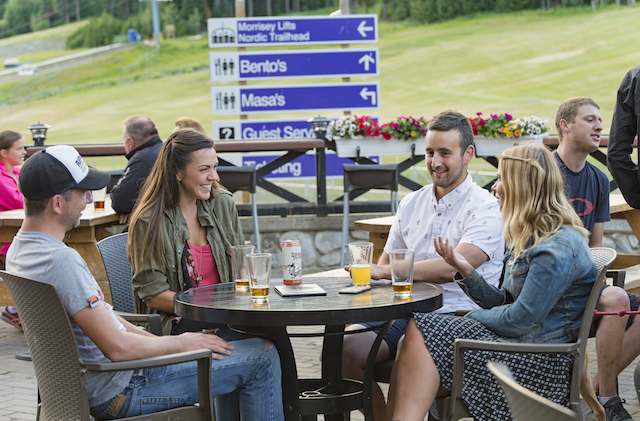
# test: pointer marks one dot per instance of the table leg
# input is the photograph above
(368, 372)
(633, 218)
(379, 240)
(290, 389)
(332, 359)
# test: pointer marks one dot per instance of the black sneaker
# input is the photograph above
(615, 411)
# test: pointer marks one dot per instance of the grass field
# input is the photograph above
(523, 63)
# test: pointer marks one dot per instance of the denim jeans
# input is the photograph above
(246, 386)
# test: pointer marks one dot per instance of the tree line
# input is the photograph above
(113, 17)
(22, 16)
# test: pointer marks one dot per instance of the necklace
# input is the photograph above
(197, 269)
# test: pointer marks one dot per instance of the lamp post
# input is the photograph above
(39, 133)
(319, 125)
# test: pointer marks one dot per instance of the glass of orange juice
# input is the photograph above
(360, 255)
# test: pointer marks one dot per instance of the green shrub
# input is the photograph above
(38, 23)
(513, 5)
(17, 15)
(98, 32)
(142, 23)
(194, 23)
(399, 9)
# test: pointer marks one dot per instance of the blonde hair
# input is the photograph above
(534, 204)
(190, 123)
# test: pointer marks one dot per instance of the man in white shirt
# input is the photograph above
(453, 207)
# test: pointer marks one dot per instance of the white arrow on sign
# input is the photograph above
(363, 28)
(364, 93)
(366, 59)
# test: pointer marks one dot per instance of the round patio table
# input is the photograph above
(221, 304)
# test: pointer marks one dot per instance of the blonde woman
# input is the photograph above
(549, 271)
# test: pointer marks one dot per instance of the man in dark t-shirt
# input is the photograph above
(588, 193)
(579, 125)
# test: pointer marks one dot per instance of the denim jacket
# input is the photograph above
(544, 293)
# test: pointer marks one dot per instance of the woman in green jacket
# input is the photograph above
(182, 228)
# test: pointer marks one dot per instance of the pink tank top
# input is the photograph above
(204, 265)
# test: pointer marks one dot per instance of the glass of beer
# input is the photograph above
(99, 197)
(360, 255)
(401, 261)
(259, 275)
(239, 266)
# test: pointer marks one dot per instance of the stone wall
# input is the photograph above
(618, 236)
(320, 238)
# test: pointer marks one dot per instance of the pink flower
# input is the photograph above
(386, 135)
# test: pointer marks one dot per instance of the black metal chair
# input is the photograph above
(365, 177)
(244, 179)
(115, 177)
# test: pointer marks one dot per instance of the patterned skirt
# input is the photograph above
(546, 374)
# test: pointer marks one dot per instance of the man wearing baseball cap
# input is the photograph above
(57, 184)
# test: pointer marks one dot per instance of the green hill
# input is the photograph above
(524, 63)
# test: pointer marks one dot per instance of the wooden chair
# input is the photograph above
(113, 250)
(60, 371)
(524, 404)
(453, 408)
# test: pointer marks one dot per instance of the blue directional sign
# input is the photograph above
(227, 100)
(261, 129)
(302, 167)
(299, 30)
(235, 66)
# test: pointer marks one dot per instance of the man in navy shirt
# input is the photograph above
(579, 125)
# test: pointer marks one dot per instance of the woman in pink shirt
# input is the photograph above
(12, 154)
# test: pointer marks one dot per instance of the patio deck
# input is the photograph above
(18, 393)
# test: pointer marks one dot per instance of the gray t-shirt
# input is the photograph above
(40, 257)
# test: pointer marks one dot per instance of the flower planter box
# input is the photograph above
(493, 146)
(376, 146)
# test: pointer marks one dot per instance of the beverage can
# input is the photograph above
(291, 262)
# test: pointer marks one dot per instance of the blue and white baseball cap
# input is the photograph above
(57, 169)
